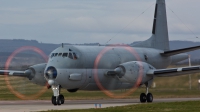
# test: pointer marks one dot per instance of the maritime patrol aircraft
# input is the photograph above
(111, 67)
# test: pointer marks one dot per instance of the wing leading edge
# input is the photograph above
(174, 71)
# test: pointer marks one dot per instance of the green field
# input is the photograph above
(170, 87)
(189, 106)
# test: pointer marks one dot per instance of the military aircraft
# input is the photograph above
(111, 67)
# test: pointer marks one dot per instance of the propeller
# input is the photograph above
(33, 73)
(119, 71)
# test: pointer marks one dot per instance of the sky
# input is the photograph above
(95, 21)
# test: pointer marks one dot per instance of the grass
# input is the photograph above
(188, 106)
(166, 87)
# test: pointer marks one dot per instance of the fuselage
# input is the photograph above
(78, 62)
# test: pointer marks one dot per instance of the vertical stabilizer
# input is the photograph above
(159, 38)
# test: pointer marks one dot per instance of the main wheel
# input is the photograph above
(149, 97)
(62, 99)
(143, 97)
(53, 100)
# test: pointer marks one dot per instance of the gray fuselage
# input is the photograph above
(80, 64)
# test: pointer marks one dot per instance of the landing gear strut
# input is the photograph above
(148, 97)
(57, 98)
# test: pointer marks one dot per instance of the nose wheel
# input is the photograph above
(62, 99)
(53, 100)
(58, 101)
(57, 98)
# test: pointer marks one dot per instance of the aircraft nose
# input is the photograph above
(51, 73)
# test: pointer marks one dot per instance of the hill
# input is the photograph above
(7, 46)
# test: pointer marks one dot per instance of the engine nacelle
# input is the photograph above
(134, 71)
(37, 74)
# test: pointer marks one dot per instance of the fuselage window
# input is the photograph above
(56, 54)
(70, 56)
(65, 54)
(52, 55)
(60, 54)
(75, 57)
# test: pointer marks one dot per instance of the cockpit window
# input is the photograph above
(65, 55)
(52, 55)
(70, 56)
(60, 54)
(75, 57)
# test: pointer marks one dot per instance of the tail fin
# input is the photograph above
(159, 38)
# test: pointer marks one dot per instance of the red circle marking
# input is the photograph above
(107, 92)
(7, 64)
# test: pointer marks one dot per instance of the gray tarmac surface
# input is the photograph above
(42, 105)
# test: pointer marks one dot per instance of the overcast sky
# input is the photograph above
(91, 21)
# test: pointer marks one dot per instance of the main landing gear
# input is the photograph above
(148, 97)
(57, 98)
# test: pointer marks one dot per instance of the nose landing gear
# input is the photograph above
(57, 98)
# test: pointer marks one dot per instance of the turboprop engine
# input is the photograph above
(131, 72)
(35, 74)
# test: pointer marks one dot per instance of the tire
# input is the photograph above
(62, 99)
(53, 100)
(149, 97)
(143, 98)
(58, 101)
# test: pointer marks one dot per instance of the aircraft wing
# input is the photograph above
(15, 73)
(174, 71)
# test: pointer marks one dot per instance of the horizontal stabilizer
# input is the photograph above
(174, 71)
(178, 51)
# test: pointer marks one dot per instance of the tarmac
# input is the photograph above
(44, 105)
